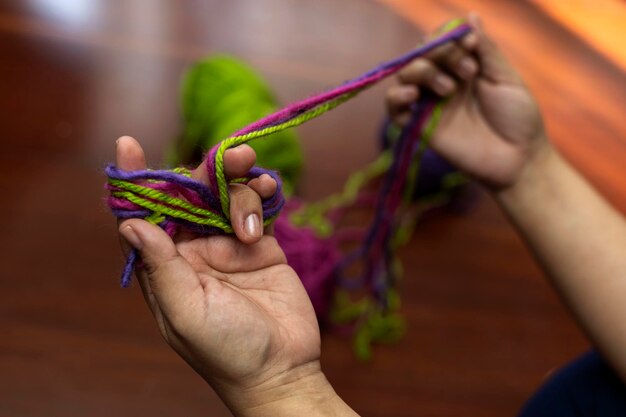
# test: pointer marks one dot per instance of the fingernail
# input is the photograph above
(131, 236)
(252, 225)
(443, 84)
(467, 67)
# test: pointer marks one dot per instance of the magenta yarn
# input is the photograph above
(312, 258)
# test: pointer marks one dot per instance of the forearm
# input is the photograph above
(580, 240)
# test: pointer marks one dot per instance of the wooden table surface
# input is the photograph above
(484, 327)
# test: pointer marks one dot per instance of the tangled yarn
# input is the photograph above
(220, 94)
(310, 235)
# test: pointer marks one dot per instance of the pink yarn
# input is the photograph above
(312, 258)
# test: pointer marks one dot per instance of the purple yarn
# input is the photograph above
(354, 84)
(130, 214)
(123, 209)
(432, 168)
(167, 176)
(432, 171)
(271, 206)
(402, 60)
(129, 267)
(316, 261)
(381, 225)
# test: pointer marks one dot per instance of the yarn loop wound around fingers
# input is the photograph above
(175, 201)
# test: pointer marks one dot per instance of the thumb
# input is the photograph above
(170, 277)
(493, 65)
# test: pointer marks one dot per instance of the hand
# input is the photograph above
(491, 127)
(231, 306)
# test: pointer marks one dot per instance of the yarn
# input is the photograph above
(219, 95)
(433, 174)
(313, 258)
(313, 236)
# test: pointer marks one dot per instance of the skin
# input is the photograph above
(492, 130)
(231, 306)
(238, 314)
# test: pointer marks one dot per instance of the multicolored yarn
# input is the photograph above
(312, 236)
(219, 94)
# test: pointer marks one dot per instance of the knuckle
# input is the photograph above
(455, 55)
(243, 196)
(237, 190)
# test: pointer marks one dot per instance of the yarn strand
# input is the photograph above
(173, 199)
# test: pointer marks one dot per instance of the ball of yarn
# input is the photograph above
(221, 94)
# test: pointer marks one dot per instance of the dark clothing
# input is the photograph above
(587, 387)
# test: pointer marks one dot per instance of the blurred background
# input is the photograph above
(484, 328)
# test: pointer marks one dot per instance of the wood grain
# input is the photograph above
(484, 328)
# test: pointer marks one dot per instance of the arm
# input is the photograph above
(231, 307)
(580, 240)
(492, 130)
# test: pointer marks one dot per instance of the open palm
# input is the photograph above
(240, 311)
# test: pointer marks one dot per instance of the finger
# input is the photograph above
(170, 278)
(129, 157)
(129, 154)
(493, 64)
(265, 186)
(146, 290)
(399, 100)
(400, 97)
(237, 163)
(246, 213)
(454, 58)
(423, 72)
(470, 41)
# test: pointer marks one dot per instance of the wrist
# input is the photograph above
(531, 181)
(303, 390)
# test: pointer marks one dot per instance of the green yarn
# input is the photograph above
(161, 203)
(171, 204)
(221, 94)
(314, 215)
(427, 134)
(375, 325)
(222, 183)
